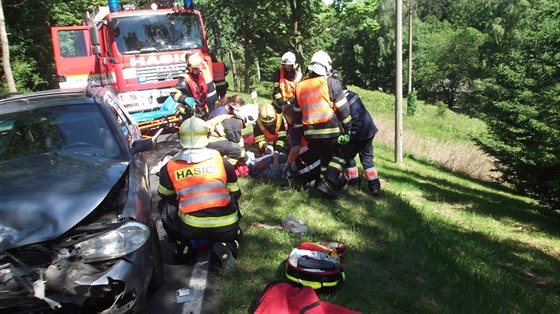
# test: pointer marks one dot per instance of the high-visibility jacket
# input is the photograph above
(200, 185)
(287, 87)
(314, 100)
(263, 135)
(219, 70)
(193, 88)
(315, 112)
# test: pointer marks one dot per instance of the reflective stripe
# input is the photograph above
(371, 174)
(312, 284)
(208, 222)
(165, 191)
(233, 187)
(352, 172)
(203, 198)
(321, 131)
(310, 167)
(335, 165)
(204, 188)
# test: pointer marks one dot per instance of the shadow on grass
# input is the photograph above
(400, 259)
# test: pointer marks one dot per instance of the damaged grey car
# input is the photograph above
(77, 232)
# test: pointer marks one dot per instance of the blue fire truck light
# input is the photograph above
(114, 6)
(189, 4)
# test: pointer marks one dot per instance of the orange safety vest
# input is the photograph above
(287, 87)
(199, 186)
(219, 70)
(269, 137)
(314, 100)
(198, 87)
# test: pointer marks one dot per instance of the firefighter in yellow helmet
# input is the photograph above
(199, 199)
(284, 80)
(270, 131)
(192, 86)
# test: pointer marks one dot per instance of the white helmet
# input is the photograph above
(193, 133)
(288, 58)
(321, 63)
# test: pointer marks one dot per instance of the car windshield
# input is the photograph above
(158, 32)
(75, 129)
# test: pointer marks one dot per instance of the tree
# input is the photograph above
(6, 53)
(447, 61)
(520, 102)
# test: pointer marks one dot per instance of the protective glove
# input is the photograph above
(190, 101)
(269, 149)
(343, 139)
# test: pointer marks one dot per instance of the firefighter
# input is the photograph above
(285, 79)
(192, 85)
(226, 131)
(361, 143)
(199, 198)
(322, 116)
(220, 71)
(301, 164)
(270, 131)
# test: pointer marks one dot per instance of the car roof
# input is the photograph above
(55, 95)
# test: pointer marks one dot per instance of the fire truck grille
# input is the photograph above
(159, 73)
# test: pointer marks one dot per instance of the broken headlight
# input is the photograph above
(115, 243)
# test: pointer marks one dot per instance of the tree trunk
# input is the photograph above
(296, 20)
(247, 74)
(234, 72)
(6, 53)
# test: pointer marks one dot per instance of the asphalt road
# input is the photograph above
(197, 279)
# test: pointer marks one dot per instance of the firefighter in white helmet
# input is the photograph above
(284, 80)
(270, 131)
(199, 199)
(322, 116)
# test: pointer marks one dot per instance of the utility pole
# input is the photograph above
(410, 11)
(411, 5)
(398, 86)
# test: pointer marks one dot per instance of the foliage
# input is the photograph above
(446, 61)
(521, 105)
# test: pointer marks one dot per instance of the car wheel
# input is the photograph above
(157, 272)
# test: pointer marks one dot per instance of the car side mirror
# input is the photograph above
(142, 145)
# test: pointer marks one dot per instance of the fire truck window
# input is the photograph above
(73, 43)
(163, 32)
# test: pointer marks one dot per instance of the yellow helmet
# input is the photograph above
(195, 61)
(193, 133)
(267, 114)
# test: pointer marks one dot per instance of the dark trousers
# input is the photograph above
(362, 148)
(332, 155)
(178, 231)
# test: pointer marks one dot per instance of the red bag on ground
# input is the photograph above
(282, 297)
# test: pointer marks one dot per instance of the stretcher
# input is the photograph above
(166, 119)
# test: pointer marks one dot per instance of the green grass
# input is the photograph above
(434, 241)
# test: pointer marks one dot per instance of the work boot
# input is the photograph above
(226, 262)
(374, 187)
(326, 188)
(354, 182)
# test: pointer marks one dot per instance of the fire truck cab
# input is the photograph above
(138, 53)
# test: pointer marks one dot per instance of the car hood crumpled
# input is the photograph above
(41, 197)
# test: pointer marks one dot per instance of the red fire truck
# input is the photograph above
(138, 53)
